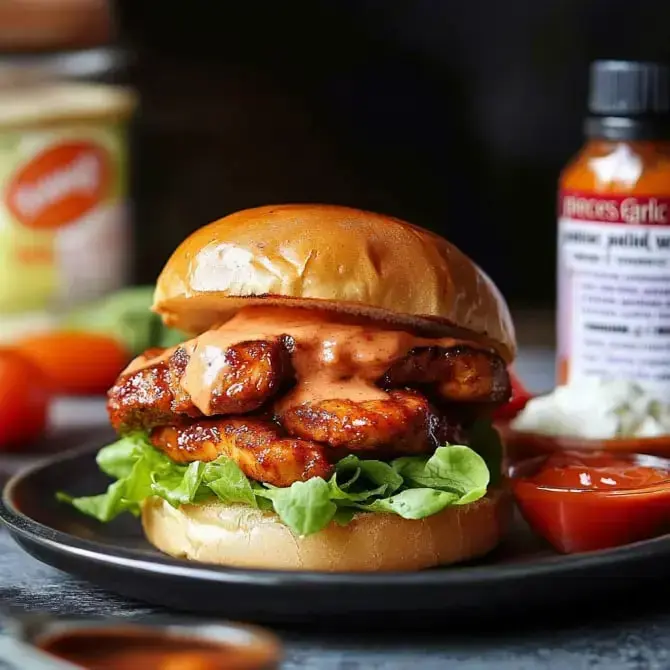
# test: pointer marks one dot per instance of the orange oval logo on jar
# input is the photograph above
(59, 185)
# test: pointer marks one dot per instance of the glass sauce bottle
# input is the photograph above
(613, 311)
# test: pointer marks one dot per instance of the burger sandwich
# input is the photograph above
(330, 410)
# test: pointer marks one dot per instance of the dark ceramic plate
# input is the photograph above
(518, 578)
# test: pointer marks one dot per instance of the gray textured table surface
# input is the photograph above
(626, 643)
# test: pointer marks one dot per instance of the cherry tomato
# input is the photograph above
(583, 502)
(520, 396)
(24, 400)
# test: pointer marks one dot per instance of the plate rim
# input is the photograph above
(28, 528)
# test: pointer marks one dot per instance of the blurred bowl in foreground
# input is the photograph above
(188, 646)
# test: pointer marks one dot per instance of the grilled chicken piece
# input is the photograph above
(181, 400)
(403, 423)
(256, 445)
(141, 399)
(247, 375)
(458, 374)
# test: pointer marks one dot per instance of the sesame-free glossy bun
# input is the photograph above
(331, 257)
(241, 536)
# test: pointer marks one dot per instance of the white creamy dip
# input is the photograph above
(596, 409)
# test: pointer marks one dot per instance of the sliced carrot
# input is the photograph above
(76, 363)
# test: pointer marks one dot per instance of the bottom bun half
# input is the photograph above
(240, 536)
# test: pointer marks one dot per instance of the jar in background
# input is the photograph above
(64, 216)
(613, 313)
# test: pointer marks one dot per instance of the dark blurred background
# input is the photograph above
(456, 116)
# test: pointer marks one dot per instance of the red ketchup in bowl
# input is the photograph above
(584, 501)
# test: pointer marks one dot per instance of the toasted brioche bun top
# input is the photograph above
(336, 258)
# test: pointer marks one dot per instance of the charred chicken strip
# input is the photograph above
(246, 376)
(141, 399)
(257, 447)
(403, 423)
(459, 374)
(181, 400)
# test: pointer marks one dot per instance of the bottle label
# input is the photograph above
(63, 217)
(614, 288)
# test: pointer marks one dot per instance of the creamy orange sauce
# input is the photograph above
(334, 357)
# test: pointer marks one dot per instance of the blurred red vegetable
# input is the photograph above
(520, 396)
(24, 400)
(76, 363)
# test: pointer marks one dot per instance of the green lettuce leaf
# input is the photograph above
(224, 478)
(179, 487)
(413, 503)
(412, 487)
(103, 507)
(357, 480)
(455, 469)
(305, 507)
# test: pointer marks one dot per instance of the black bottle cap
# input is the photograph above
(629, 100)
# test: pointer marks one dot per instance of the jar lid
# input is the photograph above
(80, 64)
(30, 95)
(628, 100)
(629, 88)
